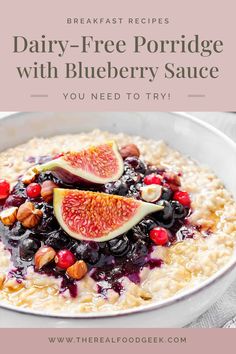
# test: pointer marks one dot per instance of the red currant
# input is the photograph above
(159, 236)
(152, 179)
(33, 190)
(4, 189)
(64, 259)
(183, 198)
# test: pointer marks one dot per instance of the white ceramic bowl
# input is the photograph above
(187, 134)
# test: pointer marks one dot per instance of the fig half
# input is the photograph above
(97, 164)
(87, 215)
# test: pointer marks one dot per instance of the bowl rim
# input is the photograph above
(228, 267)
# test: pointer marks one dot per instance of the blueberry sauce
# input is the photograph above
(38, 160)
(108, 261)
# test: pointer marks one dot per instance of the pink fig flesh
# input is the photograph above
(95, 216)
(97, 164)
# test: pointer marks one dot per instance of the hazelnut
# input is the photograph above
(2, 279)
(8, 216)
(77, 270)
(173, 180)
(28, 215)
(151, 192)
(47, 190)
(30, 175)
(13, 285)
(44, 256)
(129, 150)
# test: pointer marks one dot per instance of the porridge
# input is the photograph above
(160, 224)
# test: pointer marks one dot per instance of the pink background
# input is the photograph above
(210, 19)
(197, 341)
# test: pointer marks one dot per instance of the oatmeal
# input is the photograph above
(43, 268)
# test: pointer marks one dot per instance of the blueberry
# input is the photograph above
(120, 188)
(17, 197)
(133, 192)
(14, 200)
(138, 234)
(57, 239)
(119, 246)
(127, 169)
(108, 188)
(141, 231)
(18, 229)
(46, 176)
(164, 217)
(167, 193)
(103, 246)
(28, 248)
(137, 254)
(19, 190)
(49, 222)
(166, 213)
(72, 245)
(150, 170)
(132, 189)
(47, 225)
(179, 209)
(147, 225)
(129, 179)
(17, 234)
(132, 161)
(137, 164)
(46, 208)
(88, 251)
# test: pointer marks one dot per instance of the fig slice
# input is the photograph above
(87, 215)
(98, 164)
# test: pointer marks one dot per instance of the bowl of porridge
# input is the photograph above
(114, 219)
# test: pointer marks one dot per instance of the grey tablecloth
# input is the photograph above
(220, 313)
(225, 308)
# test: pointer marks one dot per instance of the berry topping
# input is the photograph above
(167, 212)
(159, 236)
(179, 210)
(119, 246)
(152, 179)
(34, 235)
(28, 248)
(4, 189)
(33, 190)
(88, 251)
(166, 193)
(64, 259)
(183, 198)
(119, 188)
